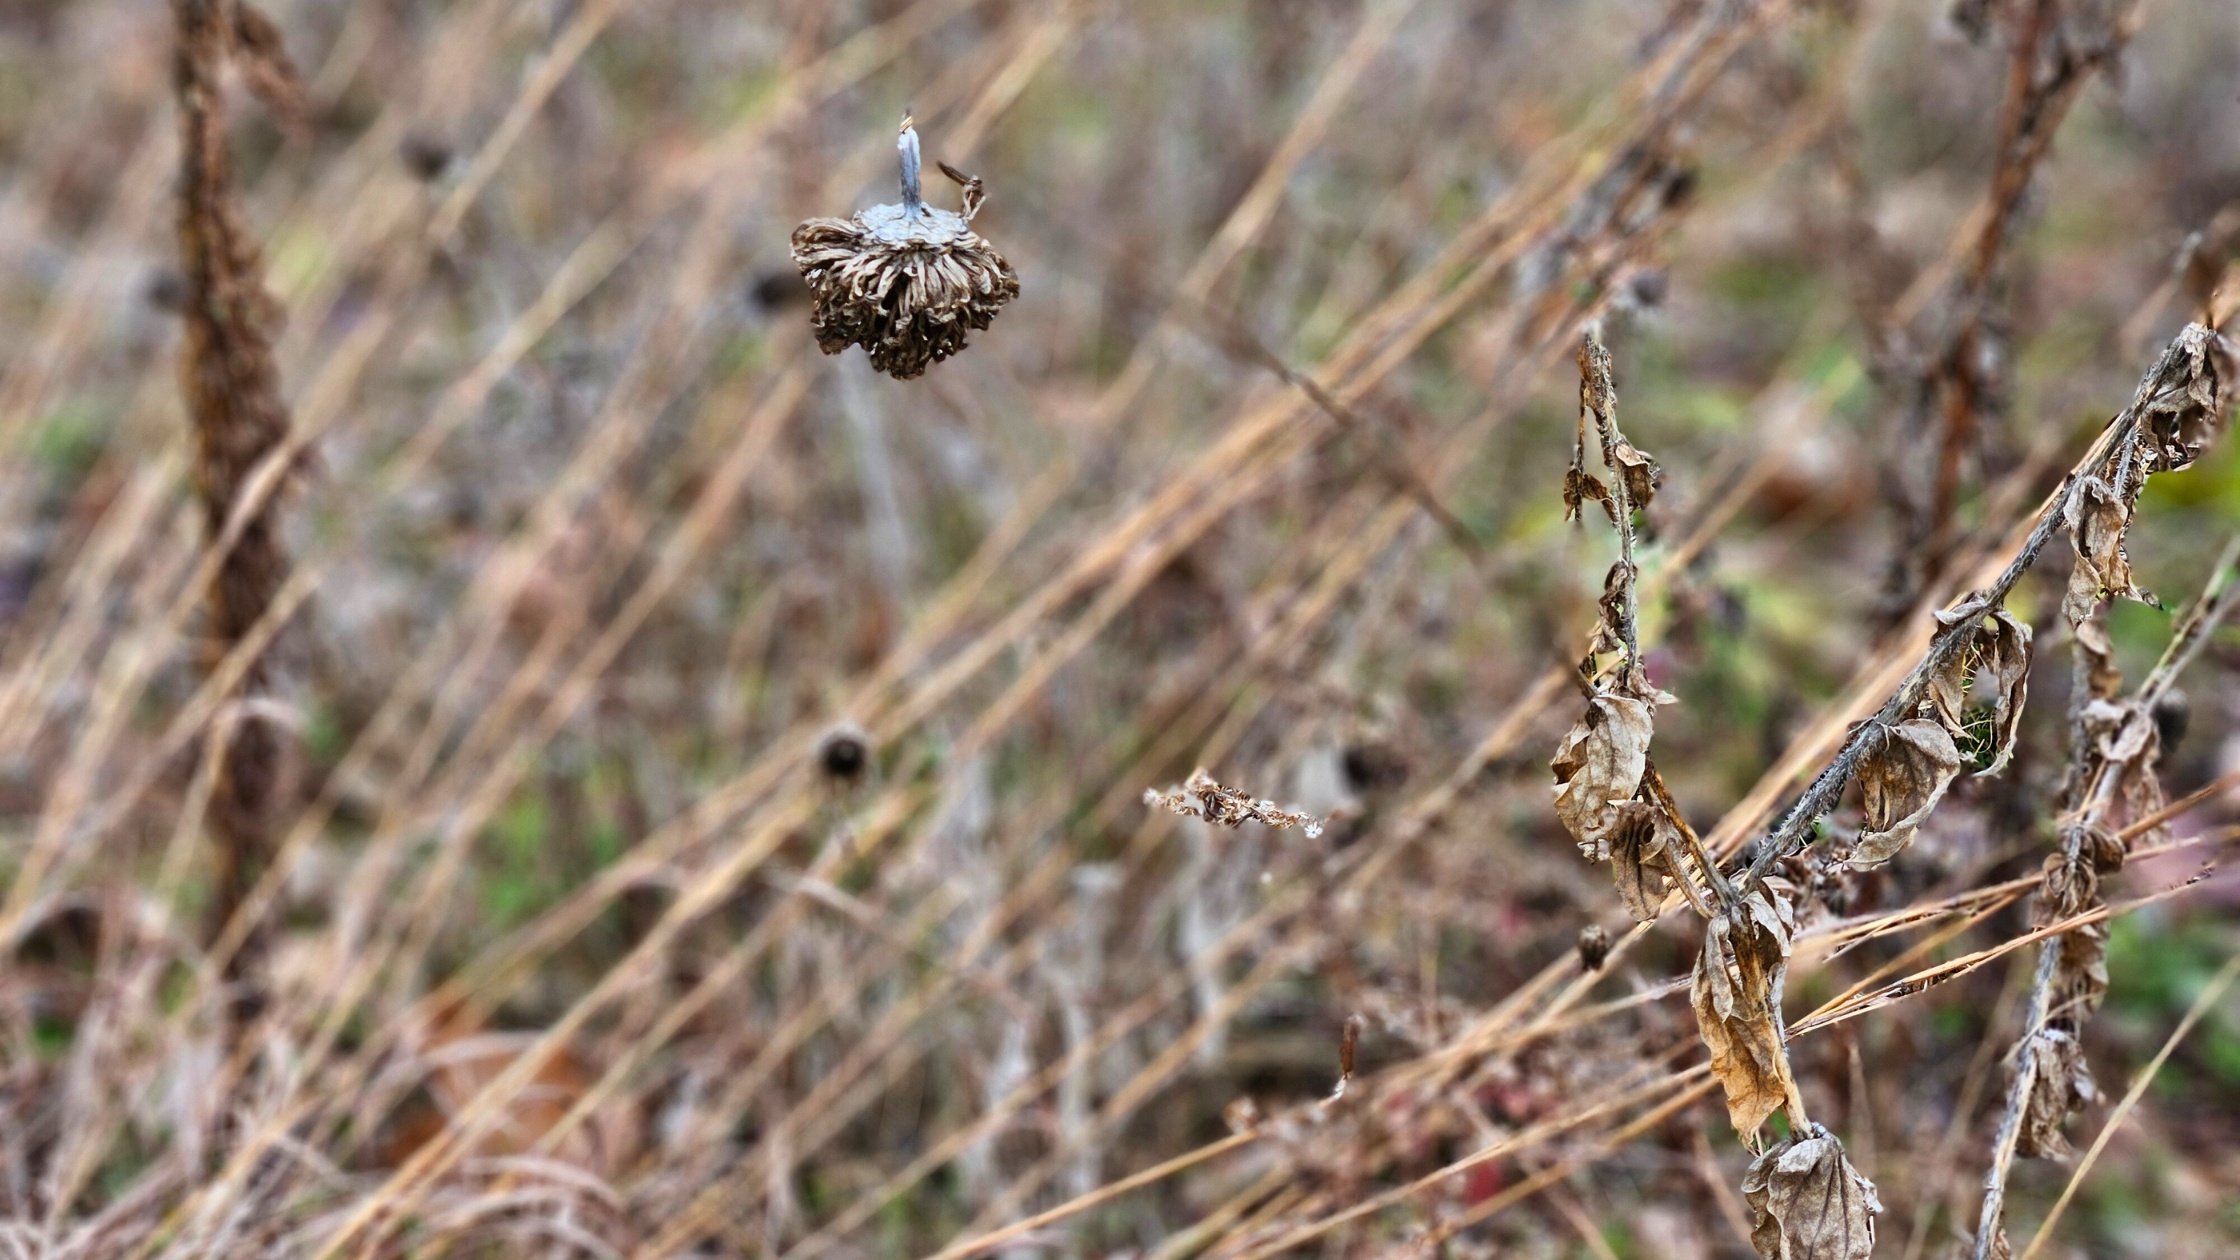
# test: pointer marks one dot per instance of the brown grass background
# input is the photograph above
(574, 946)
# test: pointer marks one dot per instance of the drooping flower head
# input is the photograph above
(906, 282)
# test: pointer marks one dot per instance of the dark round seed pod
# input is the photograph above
(844, 753)
(1594, 947)
(2172, 712)
(426, 156)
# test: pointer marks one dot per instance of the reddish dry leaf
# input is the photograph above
(1809, 1203)
(1736, 991)
(1579, 486)
(1899, 783)
(1598, 769)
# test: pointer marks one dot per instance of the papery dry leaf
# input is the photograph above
(2102, 678)
(1579, 486)
(2061, 1084)
(2098, 516)
(1808, 1203)
(2003, 647)
(1598, 768)
(1639, 844)
(2184, 415)
(1642, 474)
(2128, 741)
(2122, 731)
(1899, 783)
(2000, 651)
(1735, 992)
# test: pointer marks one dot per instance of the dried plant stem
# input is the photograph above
(233, 402)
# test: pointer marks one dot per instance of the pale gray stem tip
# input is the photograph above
(906, 144)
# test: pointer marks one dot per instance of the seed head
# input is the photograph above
(1594, 947)
(844, 752)
(907, 282)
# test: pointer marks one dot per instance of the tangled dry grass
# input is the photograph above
(506, 750)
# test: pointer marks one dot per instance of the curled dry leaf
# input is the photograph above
(1998, 651)
(1201, 797)
(2003, 649)
(2060, 1084)
(1579, 486)
(1598, 768)
(1642, 474)
(1808, 1203)
(1899, 783)
(2128, 742)
(2098, 516)
(2184, 415)
(2102, 678)
(1640, 844)
(1736, 993)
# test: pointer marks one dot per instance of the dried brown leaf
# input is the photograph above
(1579, 486)
(1899, 783)
(2128, 742)
(2003, 649)
(2102, 677)
(2098, 516)
(1639, 865)
(2060, 1084)
(2184, 415)
(1809, 1203)
(1736, 994)
(1998, 651)
(1598, 768)
(1642, 474)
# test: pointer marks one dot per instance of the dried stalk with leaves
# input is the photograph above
(1807, 1198)
(1959, 708)
(2112, 792)
(231, 386)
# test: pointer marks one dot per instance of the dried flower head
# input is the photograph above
(907, 282)
(1201, 797)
